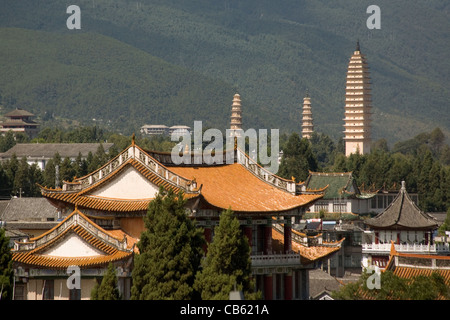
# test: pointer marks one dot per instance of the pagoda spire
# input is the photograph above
(307, 119)
(358, 105)
(236, 116)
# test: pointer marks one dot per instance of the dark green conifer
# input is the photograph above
(170, 251)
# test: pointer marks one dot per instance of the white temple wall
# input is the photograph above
(129, 184)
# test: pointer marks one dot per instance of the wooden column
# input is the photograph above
(287, 237)
(268, 287)
(268, 239)
(288, 286)
(248, 232)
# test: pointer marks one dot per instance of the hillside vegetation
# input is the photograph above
(268, 51)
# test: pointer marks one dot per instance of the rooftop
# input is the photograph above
(403, 213)
(48, 150)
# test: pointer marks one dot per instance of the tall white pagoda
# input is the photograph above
(358, 105)
(307, 118)
(236, 116)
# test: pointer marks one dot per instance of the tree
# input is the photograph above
(323, 148)
(67, 170)
(6, 271)
(21, 179)
(49, 175)
(107, 289)
(7, 141)
(170, 250)
(227, 262)
(446, 225)
(393, 287)
(298, 159)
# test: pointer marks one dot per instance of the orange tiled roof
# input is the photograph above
(35, 257)
(232, 185)
(411, 272)
(131, 241)
(64, 262)
(99, 203)
(82, 198)
(308, 254)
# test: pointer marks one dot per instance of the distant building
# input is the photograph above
(403, 223)
(41, 153)
(179, 131)
(28, 216)
(160, 129)
(20, 120)
(155, 129)
(342, 195)
(358, 105)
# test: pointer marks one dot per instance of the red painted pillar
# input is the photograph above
(268, 287)
(207, 232)
(288, 286)
(287, 238)
(248, 232)
(268, 239)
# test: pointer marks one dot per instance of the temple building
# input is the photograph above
(342, 196)
(307, 118)
(20, 120)
(236, 116)
(403, 223)
(104, 213)
(358, 105)
(41, 264)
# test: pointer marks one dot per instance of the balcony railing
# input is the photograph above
(414, 248)
(271, 260)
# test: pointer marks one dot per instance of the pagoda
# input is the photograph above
(236, 116)
(403, 223)
(358, 105)
(20, 120)
(307, 119)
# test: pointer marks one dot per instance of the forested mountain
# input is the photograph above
(89, 76)
(268, 51)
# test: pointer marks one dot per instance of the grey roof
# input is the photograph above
(19, 113)
(320, 282)
(28, 210)
(403, 213)
(48, 150)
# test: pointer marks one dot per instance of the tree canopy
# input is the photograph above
(6, 270)
(227, 264)
(170, 250)
(393, 287)
(107, 289)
